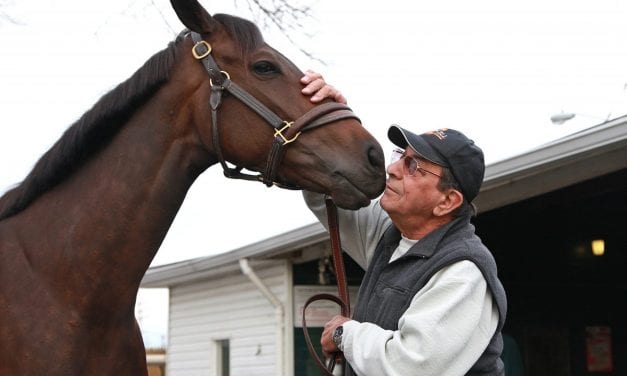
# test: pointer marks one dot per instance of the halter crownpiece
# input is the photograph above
(285, 132)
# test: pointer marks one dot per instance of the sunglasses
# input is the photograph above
(411, 164)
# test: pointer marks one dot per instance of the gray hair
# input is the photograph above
(448, 181)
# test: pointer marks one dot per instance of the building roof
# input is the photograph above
(581, 156)
(204, 267)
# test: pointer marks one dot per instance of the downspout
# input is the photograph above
(278, 309)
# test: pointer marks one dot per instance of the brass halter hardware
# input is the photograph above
(224, 73)
(279, 132)
(204, 54)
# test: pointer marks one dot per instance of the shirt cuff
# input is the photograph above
(347, 337)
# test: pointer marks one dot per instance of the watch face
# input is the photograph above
(338, 331)
(337, 335)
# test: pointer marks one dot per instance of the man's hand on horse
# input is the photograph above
(319, 89)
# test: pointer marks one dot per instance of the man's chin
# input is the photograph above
(384, 201)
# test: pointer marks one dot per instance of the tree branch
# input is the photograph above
(286, 17)
(4, 15)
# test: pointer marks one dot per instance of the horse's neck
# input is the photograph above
(101, 227)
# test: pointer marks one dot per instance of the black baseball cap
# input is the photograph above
(448, 148)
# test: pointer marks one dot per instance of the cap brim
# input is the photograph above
(402, 138)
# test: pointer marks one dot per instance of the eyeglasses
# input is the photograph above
(411, 164)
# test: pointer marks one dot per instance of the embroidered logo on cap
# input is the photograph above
(440, 133)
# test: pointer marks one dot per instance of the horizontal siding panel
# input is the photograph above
(221, 322)
(192, 364)
(221, 328)
(258, 310)
(236, 324)
(226, 282)
(240, 298)
(192, 352)
(209, 317)
(246, 304)
(202, 352)
(228, 308)
(258, 354)
(219, 332)
(242, 287)
(253, 371)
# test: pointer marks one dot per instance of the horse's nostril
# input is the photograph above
(375, 156)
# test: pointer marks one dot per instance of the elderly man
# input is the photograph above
(430, 302)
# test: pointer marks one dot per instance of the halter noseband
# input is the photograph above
(285, 131)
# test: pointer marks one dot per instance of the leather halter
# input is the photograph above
(285, 132)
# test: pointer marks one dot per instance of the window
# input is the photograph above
(223, 364)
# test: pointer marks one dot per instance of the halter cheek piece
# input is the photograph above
(285, 132)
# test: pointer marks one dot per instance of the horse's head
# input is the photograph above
(251, 92)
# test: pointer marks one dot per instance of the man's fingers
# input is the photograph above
(318, 89)
(314, 86)
(310, 76)
(328, 91)
(340, 98)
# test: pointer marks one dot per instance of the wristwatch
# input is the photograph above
(337, 336)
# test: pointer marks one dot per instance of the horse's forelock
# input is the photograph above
(243, 32)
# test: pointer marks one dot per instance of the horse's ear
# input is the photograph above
(194, 16)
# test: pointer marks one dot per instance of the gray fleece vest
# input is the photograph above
(388, 288)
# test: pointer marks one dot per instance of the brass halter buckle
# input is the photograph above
(224, 73)
(201, 55)
(279, 132)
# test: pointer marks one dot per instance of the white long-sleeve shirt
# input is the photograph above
(447, 326)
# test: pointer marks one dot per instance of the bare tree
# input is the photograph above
(283, 15)
(280, 14)
(4, 12)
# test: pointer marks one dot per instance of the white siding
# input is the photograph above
(230, 308)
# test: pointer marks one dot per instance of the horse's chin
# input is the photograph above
(348, 195)
(350, 202)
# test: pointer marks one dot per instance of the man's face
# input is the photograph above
(411, 198)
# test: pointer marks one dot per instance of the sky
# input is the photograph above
(496, 70)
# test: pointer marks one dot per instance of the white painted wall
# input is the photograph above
(229, 307)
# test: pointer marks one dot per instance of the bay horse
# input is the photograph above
(78, 234)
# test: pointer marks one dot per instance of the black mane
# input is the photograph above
(91, 132)
(95, 129)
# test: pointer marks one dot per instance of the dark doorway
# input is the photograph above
(557, 288)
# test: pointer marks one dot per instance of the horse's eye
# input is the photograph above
(265, 68)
